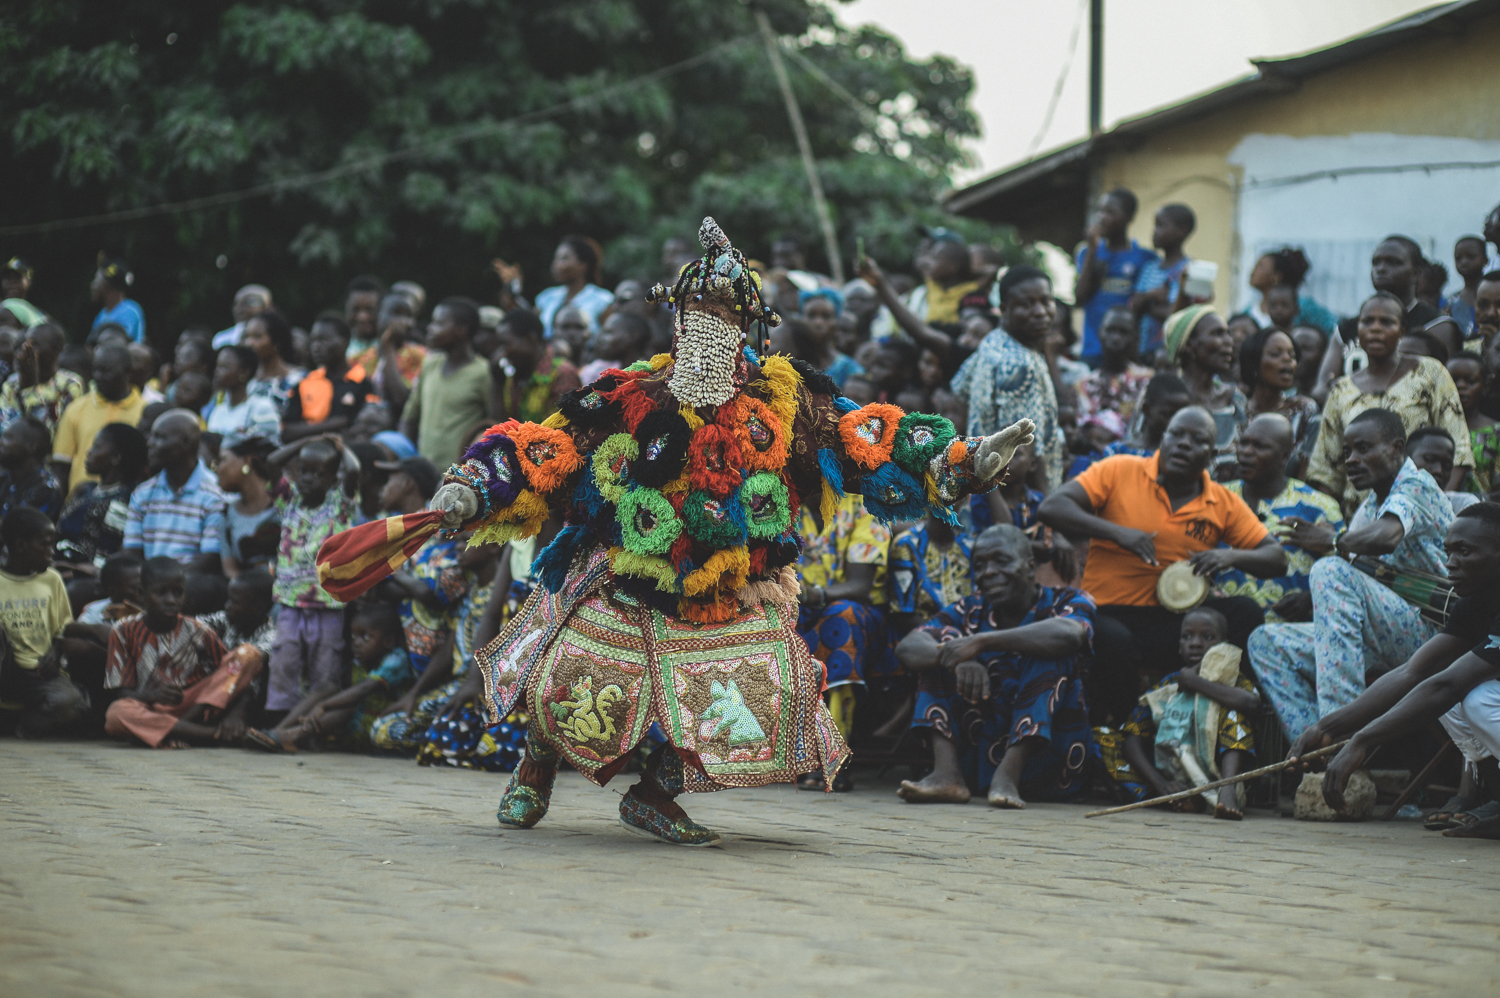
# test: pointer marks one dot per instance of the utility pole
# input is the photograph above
(1096, 65)
(794, 113)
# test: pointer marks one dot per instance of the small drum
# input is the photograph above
(1178, 589)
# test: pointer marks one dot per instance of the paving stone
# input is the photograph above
(139, 874)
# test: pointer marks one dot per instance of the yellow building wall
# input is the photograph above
(1441, 86)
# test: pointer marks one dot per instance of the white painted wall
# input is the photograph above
(1338, 221)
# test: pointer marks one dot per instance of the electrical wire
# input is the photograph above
(376, 161)
(1062, 79)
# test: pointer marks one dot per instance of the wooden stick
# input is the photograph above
(1275, 767)
(1418, 783)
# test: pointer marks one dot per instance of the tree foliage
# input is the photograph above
(118, 106)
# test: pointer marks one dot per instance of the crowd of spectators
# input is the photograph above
(1308, 472)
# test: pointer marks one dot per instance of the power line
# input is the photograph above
(1062, 79)
(373, 162)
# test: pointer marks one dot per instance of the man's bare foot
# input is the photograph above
(933, 789)
(1227, 807)
(1005, 794)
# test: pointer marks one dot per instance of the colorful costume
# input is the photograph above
(670, 595)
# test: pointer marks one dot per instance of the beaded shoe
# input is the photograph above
(522, 805)
(643, 818)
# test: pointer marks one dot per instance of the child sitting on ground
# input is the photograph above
(34, 612)
(247, 627)
(441, 675)
(1218, 734)
(120, 579)
(324, 500)
(382, 671)
(176, 681)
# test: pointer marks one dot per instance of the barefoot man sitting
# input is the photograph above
(999, 685)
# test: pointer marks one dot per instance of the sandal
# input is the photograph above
(1443, 817)
(1465, 820)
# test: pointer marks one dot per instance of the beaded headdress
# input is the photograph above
(721, 273)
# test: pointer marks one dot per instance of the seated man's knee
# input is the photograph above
(1263, 649)
(1330, 570)
(1481, 709)
(114, 717)
(63, 702)
(383, 735)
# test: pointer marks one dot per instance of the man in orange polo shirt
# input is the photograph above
(332, 395)
(1141, 514)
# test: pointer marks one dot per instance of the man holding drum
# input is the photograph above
(1143, 514)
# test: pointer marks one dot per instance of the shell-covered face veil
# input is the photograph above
(717, 298)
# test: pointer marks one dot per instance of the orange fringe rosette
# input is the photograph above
(547, 456)
(869, 434)
(761, 436)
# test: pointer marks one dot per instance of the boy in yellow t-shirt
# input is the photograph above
(34, 611)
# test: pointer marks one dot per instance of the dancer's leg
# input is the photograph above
(530, 791)
(650, 807)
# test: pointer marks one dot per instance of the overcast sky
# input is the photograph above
(1156, 52)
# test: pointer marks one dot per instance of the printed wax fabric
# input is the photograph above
(925, 577)
(1234, 732)
(1004, 382)
(1484, 443)
(1425, 397)
(1300, 500)
(851, 639)
(851, 537)
(1030, 697)
(178, 658)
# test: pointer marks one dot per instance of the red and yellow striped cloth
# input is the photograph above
(352, 562)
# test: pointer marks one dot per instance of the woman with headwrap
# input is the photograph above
(1198, 341)
(1418, 389)
(812, 338)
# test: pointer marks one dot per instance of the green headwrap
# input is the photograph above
(1179, 326)
(28, 314)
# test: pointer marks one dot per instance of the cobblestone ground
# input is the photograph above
(156, 874)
